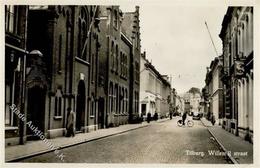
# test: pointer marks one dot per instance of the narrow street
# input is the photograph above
(103, 83)
(158, 143)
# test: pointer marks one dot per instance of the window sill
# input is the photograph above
(57, 117)
(10, 128)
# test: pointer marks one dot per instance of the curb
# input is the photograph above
(163, 120)
(233, 160)
(73, 144)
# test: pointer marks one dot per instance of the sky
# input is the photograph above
(177, 41)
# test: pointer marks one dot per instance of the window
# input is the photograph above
(60, 48)
(136, 71)
(124, 66)
(115, 19)
(83, 27)
(8, 111)
(58, 103)
(126, 101)
(143, 109)
(117, 59)
(112, 56)
(111, 101)
(92, 111)
(137, 102)
(116, 99)
(121, 63)
(123, 100)
(10, 18)
(119, 99)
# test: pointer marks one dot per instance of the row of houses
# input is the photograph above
(156, 94)
(83, 57)
(229, 81)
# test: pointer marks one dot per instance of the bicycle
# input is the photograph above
(188, 122)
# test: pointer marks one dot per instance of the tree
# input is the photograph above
(194, 90)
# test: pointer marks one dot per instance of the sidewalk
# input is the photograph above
(31, 148)
(241, 150)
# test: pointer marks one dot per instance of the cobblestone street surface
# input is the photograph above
(163, 142)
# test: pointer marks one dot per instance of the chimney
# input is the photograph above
(137, 8)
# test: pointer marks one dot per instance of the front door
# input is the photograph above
(35, 111)
(101, 113)
(81, 100)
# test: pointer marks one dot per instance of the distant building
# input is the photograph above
(155, 90)
(119, 62)
(179, 104)
(213, 92)
(192, 101)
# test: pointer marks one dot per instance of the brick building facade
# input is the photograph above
(74, 58)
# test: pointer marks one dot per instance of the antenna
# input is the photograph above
(211, 39)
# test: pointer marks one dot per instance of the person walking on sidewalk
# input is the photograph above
(149, 117)
(155, 117)
(71, 122)
(213, 120)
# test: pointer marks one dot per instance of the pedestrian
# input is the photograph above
(148, 117)
(213, 120)
(184, 116)
(170, 114)
(155, 117)
(71, 122)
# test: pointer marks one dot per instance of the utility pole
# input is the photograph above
(211, 39)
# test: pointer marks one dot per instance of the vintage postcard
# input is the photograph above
(130, 83)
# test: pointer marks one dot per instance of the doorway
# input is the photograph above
(101, 113)
(81, 101)
(35, 111)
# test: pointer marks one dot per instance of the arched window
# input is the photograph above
(83, 26)
(123, 100)
(117, 59)
(92, 111)
(112, 56)
(110, 97)
(115, 19)
(121, 63)
(126, 101)
(249, 31)
(244, 37)
(58, 103)
(116, 99)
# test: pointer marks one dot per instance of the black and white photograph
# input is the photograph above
(129, 83)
